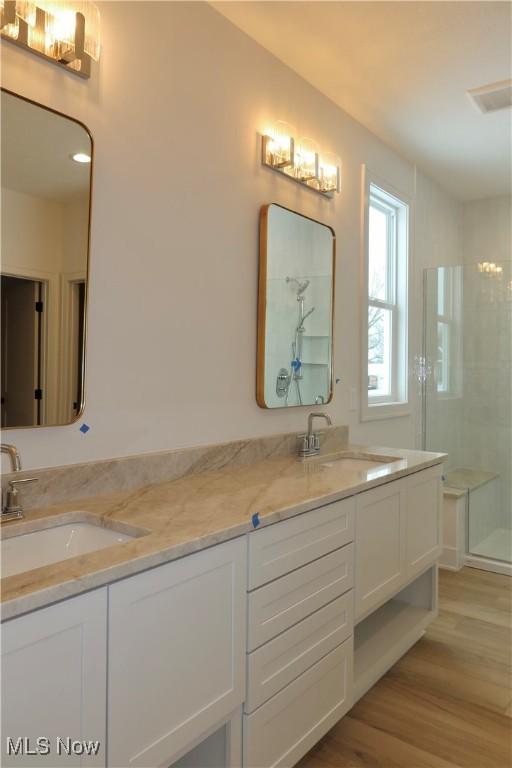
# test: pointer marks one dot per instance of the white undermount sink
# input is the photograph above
(27, 551)
(356, 462)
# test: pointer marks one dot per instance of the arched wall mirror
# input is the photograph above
(46, 189)
(295, 309)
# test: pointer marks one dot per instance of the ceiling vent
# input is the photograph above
(491, 98)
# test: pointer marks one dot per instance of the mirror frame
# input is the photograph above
(88, 266)
(262, 307)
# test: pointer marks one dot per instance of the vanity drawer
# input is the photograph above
(281, 731)
(277, 663)
(288, 545)
(277, 606)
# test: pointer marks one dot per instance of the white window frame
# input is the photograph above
(398, 206)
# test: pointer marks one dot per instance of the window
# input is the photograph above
(386, 278)
(448, 357)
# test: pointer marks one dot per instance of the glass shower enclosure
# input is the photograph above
(467, 398)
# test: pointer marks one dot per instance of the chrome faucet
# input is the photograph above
(310, 445)
(12, 509)
(13, 455)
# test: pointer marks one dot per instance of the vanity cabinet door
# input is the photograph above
(54, 676)
(423, 520)
(380, 545)
(176, 654)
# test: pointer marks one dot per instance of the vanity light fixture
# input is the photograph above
(81, 157)
(300, 160)
(307, 160)
(329, 178)
(279, 146)
(65, 32)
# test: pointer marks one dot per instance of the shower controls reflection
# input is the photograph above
(295, 374)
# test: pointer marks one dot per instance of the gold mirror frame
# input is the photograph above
(262, 306)
(81, 408)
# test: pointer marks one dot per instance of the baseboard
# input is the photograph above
(451, 559)
(505, 569)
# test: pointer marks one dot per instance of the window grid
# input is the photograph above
(387, 307)
(387, 369)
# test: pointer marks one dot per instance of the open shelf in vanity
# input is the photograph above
(385, 635)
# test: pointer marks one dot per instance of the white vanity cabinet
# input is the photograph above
(397, 536)
(176, 656)
(397, 546)
(242, 654)
(424, 504)
(380, 541)
(54, 666)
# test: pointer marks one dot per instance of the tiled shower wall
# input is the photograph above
(487, 402)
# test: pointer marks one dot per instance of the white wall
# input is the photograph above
(176, 195)
(487, 230)
(32, 235)
(76, 222)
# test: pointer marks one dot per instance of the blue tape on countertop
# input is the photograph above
(84, 428)
(255, 520)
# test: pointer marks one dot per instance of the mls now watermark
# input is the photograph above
(43, 746)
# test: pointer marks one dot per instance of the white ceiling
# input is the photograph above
(36, 151)
(402, 69)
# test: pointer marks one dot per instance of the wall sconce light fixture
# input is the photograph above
(62, 31)
(329, 173)
(279, 146)
(307, 160)
(300, 160)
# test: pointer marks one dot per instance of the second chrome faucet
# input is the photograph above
(11, 508)
(310, 442)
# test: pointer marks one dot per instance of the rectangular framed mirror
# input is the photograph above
(295, 309)
(46, 193)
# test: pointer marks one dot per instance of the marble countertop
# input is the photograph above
(182, 516)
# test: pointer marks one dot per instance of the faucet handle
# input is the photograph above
(22, 481)
(304, 439)
(308, 445)
(12, 510)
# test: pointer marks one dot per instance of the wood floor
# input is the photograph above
(447, 702)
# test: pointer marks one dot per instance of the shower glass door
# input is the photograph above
(467, 394)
